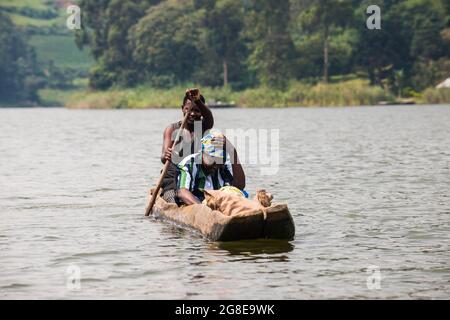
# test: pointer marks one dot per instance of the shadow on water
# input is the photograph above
(173, 231)
(244, 247)
(254, 247)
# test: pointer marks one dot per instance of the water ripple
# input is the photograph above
(367, 187)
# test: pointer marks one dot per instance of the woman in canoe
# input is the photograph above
(210, 169)
(199, 116)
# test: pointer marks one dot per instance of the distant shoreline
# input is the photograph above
(356, 92)
(234, 108)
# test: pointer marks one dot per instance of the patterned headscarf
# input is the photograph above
(213, 144)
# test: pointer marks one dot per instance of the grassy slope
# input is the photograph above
(35, 4)
(60, 49)
(22, 20)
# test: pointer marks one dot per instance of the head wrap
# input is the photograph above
(213, 144)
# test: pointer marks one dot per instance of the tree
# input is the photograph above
(427, 23)
(224, 24)
(381, 52)
(166, 43)
(428, 46)
(408, 43)
(321, 16)
(19, 75)
(272, 49)
(105, 26)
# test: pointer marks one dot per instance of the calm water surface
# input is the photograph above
(367, 187)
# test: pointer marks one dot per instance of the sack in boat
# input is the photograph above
(231, 204)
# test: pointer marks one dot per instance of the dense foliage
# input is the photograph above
(18, 67)
(244, 43)
(235, 44)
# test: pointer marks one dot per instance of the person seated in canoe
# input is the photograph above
(210, 169)
(199, 115)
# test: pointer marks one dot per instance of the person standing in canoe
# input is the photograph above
(210, 169)
(201, 116)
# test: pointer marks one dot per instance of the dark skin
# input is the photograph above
(198, 110)
(209, 166)
(238, 171)
(187, 197)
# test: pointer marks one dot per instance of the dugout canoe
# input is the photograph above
(215, 226)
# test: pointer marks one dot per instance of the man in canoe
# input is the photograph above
(212, 168)
(199, 113)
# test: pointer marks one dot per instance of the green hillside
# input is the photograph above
(34, 4)
(62, 50)
(45, 24)
(65, 68)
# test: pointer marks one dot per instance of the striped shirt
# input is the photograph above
(193, 178)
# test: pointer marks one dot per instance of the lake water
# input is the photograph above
(368, 187)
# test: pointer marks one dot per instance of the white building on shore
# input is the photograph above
(444, 84)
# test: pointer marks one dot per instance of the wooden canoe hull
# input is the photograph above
(216, 226)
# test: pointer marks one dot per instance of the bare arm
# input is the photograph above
(208, 119)
(167, 145)
(187, 197)
(238, 171)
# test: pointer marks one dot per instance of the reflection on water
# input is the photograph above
(254, 247)
(249, 248)
(366, 187)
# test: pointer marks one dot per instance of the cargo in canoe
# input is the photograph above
(277, 223)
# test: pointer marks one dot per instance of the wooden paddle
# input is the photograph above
(149, 208)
